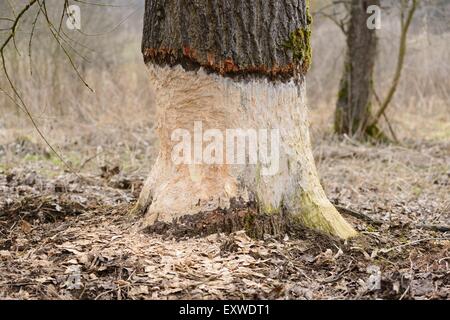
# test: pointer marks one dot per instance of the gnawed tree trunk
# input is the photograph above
(221, 65)
(353, 109)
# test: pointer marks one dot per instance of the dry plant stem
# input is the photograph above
(433, 227)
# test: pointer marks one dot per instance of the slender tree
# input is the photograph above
(218, 66)
(353, 108)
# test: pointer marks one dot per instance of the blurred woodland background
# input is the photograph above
(111, 131)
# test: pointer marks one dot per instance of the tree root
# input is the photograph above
(236, 218)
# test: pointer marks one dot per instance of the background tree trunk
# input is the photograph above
(353, 109)
(230, 65)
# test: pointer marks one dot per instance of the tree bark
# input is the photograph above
(353, 109)
(228, 37)
(218, 66)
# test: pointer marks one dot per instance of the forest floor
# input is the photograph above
(68, 236)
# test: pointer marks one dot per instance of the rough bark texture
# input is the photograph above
(228, 36)
(355, 92)
(200, 88)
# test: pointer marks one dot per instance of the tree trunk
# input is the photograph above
(353, 109)
(217, 67)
